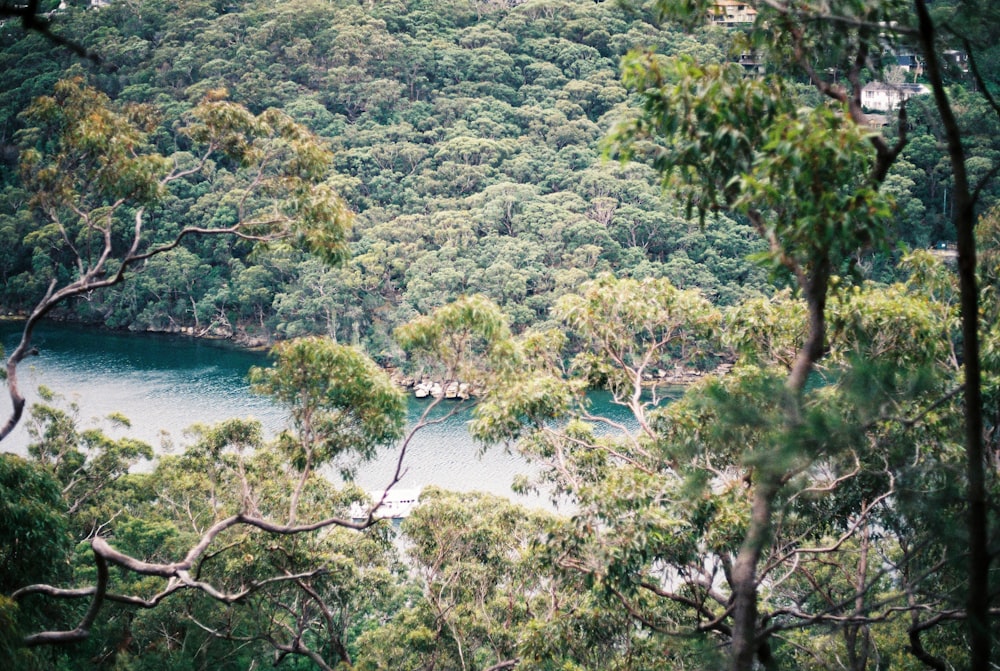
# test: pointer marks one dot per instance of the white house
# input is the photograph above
(886, 97)
(732, 13)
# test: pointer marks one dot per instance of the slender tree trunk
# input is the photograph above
(964, 218)
(769, 479)
(744, 575)
(858, 652)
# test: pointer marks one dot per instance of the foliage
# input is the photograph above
(799, 510)
(341, 404)
(93, 172)
(467, 143)
(464, 340)
(662, 506)
(33, 526)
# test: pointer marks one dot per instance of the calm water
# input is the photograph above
(164, 384)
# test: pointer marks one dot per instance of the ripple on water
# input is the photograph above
(166, 384)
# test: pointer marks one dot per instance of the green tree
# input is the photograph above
(231, 489)
(806, 181)
(93, 174)
(341, 405)
(34, 526)
(254, 524)
(473, 556)
(664, 502)
(85, 462)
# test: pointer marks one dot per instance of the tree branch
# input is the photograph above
(847, 21)
(32, 20)
(82, 630)
(715, 621)
(177, 573)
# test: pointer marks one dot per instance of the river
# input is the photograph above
(166, 383)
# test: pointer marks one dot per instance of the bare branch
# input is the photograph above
(176, 569)
(910, 422)
(177, 573)
(833, 547)
(82, 630)
(400, 471)
(714, 625)
(604, 448)
(831, 486)
(715, 620)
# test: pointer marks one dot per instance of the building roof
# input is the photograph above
(909, 89)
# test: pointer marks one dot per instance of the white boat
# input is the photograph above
(398, 503)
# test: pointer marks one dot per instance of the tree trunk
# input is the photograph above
(744, 575)
(964, 218)
(769, 477)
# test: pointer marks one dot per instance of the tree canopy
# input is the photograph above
(819, 497)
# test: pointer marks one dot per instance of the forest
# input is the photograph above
(538, 199)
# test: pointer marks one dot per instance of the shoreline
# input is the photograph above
(680, 377)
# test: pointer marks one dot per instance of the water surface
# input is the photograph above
(166, 383)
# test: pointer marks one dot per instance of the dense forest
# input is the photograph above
(466, 137)
(538, 199)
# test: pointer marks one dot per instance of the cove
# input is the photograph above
(166, 383)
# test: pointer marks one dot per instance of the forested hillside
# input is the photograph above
(426, 180)
(466, 136)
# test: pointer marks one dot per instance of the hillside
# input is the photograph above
(466, 138)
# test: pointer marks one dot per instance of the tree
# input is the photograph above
(964, 219)
(255, 524)
(33, 18)
(473, 555)
(85, 462)
(400, 159)
(33, 526)
(808, 181)
(837, 425)
(808, 185)
(849, 34)
(226, 483)
(341, 405)
(927, 31)
(92, 172)
(663, 503)
(314, 590)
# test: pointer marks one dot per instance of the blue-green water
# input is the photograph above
(164, 384)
